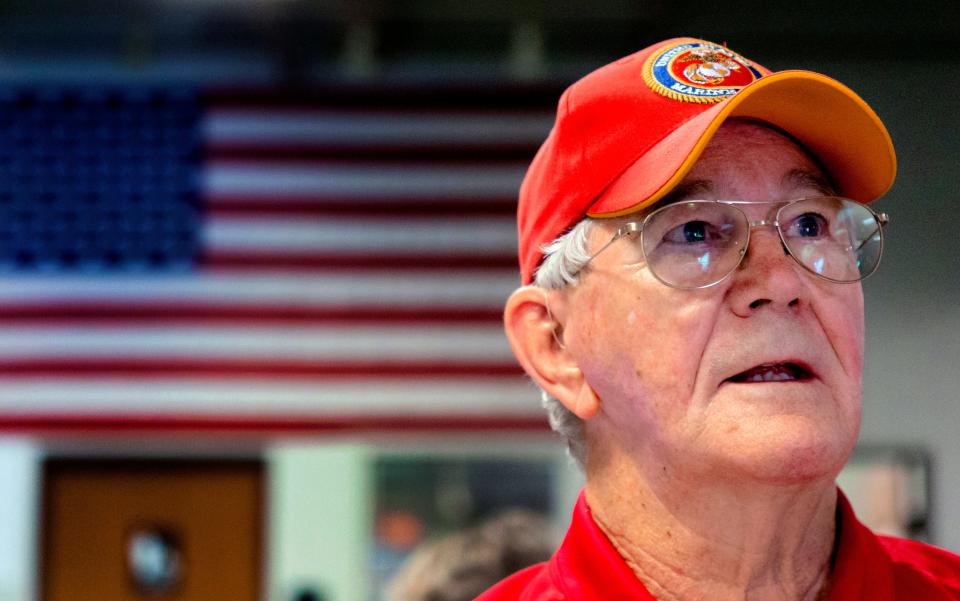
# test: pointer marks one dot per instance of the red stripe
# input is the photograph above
(172, 368)
(112, 312)
(271, 101)
(311, 205)
(217, 260)
(463, 199)
(243, 424)
(306, 163)
(299, 208)
(424, 152)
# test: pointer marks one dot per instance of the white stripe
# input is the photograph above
(294, 290)
(361, 182)
(364, 236)
(439, 344)
(359, 128)
(479, 396)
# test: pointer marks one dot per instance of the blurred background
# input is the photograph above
(254, 254)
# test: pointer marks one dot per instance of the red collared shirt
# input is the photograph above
(868, 567)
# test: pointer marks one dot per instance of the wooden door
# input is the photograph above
(157, 530)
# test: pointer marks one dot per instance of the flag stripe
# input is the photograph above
(99, 424)
(479, 154)
(430, 343)
(395, 96)
(217, 261)
(77, 314)
(371, 236)
(286, 371)
(460, 395)
(236, 179)
(366, 128)
(313, 207)
(467, 289)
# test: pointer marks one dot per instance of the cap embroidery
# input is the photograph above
(697, 71)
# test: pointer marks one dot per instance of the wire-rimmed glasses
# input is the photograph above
(698, 243)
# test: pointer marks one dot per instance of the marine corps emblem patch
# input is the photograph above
(698, 71)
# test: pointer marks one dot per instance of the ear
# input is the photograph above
(535, 331)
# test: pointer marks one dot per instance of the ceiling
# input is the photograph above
(522, 39)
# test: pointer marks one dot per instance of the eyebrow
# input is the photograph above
(686, 190)
(793, 179)
(804, 178)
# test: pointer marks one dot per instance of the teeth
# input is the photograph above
(770, 374)
(777, 376)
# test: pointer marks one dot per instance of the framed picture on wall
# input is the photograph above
(889, 488)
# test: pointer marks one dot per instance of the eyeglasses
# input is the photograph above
(698, 243)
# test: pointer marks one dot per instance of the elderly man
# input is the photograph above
(692, 237)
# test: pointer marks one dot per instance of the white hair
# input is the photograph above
(563, 260)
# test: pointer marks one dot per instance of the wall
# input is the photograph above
(19, 523)
(320, 518)
(912, 377)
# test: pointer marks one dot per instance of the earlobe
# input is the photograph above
(534, 330)
(587, 402)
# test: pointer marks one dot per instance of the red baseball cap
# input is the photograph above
(627, 134)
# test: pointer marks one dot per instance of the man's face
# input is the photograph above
(675, 369)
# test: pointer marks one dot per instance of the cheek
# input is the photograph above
(604, 340)
(646, 346)
(842, 316)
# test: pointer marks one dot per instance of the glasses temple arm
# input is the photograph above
(882, 220)
(625, 230)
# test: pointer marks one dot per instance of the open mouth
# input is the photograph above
(773, 372)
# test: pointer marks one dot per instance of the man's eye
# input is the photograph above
(809, 225)
(691, 232)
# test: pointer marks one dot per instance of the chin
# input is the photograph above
(792, 455)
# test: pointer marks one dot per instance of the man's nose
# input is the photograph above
(768, 276)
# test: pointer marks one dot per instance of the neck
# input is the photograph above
(719, 540)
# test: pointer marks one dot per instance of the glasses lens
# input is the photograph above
(835, 238)
(694, 244)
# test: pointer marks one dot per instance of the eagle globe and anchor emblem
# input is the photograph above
(698, 71)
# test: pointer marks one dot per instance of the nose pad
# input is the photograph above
(760, 238)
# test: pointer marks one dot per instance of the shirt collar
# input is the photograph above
(861, 568)
(588, 567)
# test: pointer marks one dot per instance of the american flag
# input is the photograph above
(353, 249)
